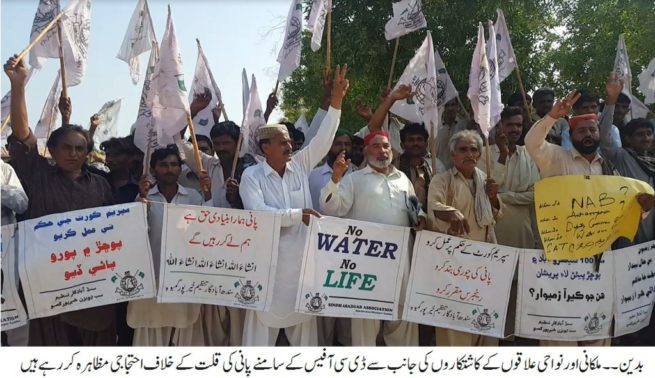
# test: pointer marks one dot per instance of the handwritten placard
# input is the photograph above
(218, 256)
(13, 313)
(634, 277)
(581, 216)
(352, 269)
(564, 299)
(85, 258)
(460, 284)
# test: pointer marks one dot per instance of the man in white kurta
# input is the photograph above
(281, 184)
(377, 193)
(164, 324)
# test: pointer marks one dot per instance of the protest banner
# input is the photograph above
(352, 269)
(13, 313)
(634, 285)
(218, 256)
(581, 216)
(564, 299)
(460, 284)
(85, 258)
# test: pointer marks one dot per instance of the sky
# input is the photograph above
(234, 34)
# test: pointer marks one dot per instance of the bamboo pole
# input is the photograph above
(36, 40)
(329, 39)
(62, 65)
(393, 61)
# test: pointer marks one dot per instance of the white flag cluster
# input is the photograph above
(479, 85)
(446, 90)
(138, 39)
(253, 120)
(496, 106)
(50, 114)
(5, 104)
(289, 55)
(407, 17)
(170, 103)
(203, 80)
(647, 82)
(624, 73)
(506, 59)
(316, 22)
(76, 27)
(108, 117)
(421, 75)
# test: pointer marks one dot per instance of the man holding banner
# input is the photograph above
(281, 184)
(377, 193)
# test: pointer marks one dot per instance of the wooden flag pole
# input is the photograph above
(146, 160)
(236, 154)
(329, 39)
(277, 84)
(38, 37)
(433, 148)
(488, 172)
(196, 150)
(5, 123)
(393, 61)
(211, 77)
(62, 66)
(521, 88)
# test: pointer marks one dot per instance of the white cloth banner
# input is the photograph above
(479, 92)
(624, 73)
(460, 284)
(138, 39)
(289, 55)
(407, 17)
(446, 90)
(504, 48)
(253, 120)
(496, 106)
(202, 81)
(564, 299)
(108, 116)
(13, 313)
(634, 277)
(218, 256)
(647, 82)
(316, 22)
(352, 269)
(421, 74)
(145, 130)
(47, 123)
(85, 258)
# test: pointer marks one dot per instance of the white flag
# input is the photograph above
(496, 102)
(647, 82)
(76, 27)
(320, 9)
(622, 66)
(637, 109)
(479, 85)
(506, 57)
(407, 17)
(108, 116)
(421, 74)
(245, 91)
(50, 114)
(254, 119)
(170, 103)
(138, 38)
(289, 55)
(446, 90)
(5, 104)
(145, 130)
(302, 125)
(202, 81)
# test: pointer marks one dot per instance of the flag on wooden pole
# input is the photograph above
(479, 85)
(624, 73)
(316, 22)
(138, 39)
(253, 120)
(496, 106)
(446, 90)
(50, 113)
(506, 58)
(289, 55)
(108, 121)
(146, 136)
(407, 17)
(202, 81)
(647, 82)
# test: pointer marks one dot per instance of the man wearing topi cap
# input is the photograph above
(281, 184)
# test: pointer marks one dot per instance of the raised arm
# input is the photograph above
(17, 74)
(400, 93)
(337, 197)
(613, 88)
(319, 146)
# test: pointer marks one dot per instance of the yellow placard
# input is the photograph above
(581, 216)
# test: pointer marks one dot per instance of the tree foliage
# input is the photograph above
(558, 43)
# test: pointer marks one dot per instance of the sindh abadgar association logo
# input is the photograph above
(484, 320)
(315, 302)
(128, 285)
(592, 323)
(247, 294)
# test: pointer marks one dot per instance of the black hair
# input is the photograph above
(517, 98)
(298, 135)
(120, 145)
(623, 98)
(357, 140)
(543, 92)
(204, 138)
(58, 134)
(636, 124)
(413, 129)
(585, 96)
(163, 153)
(510, 111)
(228, 128)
